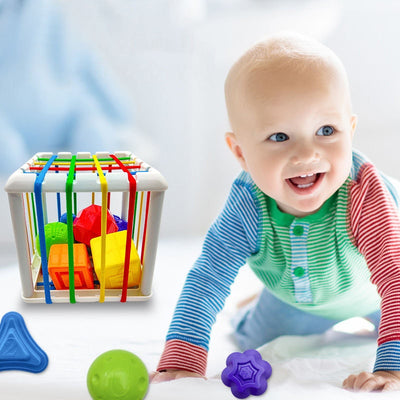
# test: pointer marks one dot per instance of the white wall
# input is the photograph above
(172, 57)
(367, 40)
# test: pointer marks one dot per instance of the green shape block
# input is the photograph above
(55, 233)
(117, 375)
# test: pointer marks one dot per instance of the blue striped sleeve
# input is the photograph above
(388, 356)
(230, 241)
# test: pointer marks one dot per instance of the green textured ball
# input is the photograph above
(117, 375)
(55, 233)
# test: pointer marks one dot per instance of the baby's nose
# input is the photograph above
(305, 153)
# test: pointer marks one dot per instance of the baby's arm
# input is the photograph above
(229, 242)
(379, 380)
(376, 227)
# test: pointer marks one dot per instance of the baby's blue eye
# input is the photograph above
(279, 137)
(325, 130)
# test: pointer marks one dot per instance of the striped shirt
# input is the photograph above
(343, 261)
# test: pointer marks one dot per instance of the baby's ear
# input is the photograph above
(235, 148)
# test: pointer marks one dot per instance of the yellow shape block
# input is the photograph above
(115, 259)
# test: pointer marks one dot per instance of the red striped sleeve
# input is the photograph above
(183, 355)
(375, 225)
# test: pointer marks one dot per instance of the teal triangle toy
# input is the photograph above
(18, 350)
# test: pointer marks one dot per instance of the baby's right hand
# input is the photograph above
(171, 374)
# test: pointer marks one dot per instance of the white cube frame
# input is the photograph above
(47, 185)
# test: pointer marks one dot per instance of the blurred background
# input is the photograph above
(148, 76)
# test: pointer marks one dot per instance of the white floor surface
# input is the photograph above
(73, 335)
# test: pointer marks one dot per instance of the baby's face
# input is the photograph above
(294, 136)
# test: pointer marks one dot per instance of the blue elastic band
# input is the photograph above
(40, 218)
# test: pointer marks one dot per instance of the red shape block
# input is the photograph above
(87, 225)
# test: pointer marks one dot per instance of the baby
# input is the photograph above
(315, 220)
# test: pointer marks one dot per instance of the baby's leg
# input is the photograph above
(268, 317)
(375, 319)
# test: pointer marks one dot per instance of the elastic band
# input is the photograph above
(131, 212)
(34, 214)
(30, 219)
(70, 230)
(140, 220)
(40, 219)
(58, 197)
(145, 227)
(104, 191)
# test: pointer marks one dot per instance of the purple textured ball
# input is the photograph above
(246, 374)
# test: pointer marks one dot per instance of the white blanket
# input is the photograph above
(304, 368)
(73, 335)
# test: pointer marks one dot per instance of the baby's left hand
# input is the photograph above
(379, 380)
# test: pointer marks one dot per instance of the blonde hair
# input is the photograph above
(282, 50)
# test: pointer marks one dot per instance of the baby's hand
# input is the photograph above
(367, 382)
(171, 374)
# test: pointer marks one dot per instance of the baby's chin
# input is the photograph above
(303, 208)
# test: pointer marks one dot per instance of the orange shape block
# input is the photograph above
(115, 259)
(58, 267)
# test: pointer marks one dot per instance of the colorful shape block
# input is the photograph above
(115, 259)
(117, 375)
(122, 225)
(55, 233)
(64, 217)
(87, 224)
(18, 350)
(246, 374)
(58, 267)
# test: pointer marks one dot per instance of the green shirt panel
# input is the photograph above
(332, 275)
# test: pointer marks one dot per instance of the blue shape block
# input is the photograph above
(18, 350)
(63, 218)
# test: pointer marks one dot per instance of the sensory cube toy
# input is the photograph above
(58, 265)
(50, 185)
(114, 261)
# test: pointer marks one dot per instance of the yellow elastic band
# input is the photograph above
(30, 221)
(104, 191)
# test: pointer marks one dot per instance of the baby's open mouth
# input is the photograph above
(305, 181)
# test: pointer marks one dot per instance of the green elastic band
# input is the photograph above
(68, 191)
